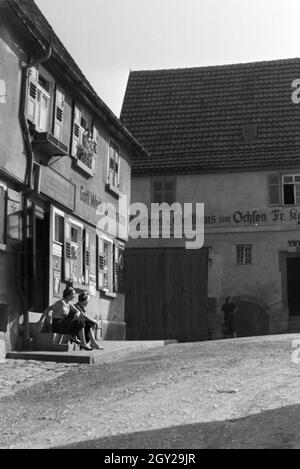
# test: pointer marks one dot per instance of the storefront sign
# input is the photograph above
(282, 216)
(89, 198)
(58, 188)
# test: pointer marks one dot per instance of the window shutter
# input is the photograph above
(67, 256)
(274, 189)
(86, 257)
(118, 269)
(100, 263)
(118, 169)
(32, 94)
(58, 112)
(76, 130)
(77, 265)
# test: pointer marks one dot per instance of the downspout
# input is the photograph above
(26, 195)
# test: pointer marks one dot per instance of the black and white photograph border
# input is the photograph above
(149, 227)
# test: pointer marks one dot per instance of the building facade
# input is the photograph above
(65, 171)
(228, 137)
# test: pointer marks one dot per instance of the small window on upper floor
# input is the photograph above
(163, 190)
(84, 142)
(244, 254)
(284, 189)
(114, 166)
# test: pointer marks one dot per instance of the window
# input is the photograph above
(59, 228)
(244, 254)
(163, 191)
(73, 252)
(38, 100)
(291, 189)
(249, 131)
(105, 268)
(114, 166)
(84, 142)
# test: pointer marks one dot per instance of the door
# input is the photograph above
(166, 294)
(293, 285)
(41, 288)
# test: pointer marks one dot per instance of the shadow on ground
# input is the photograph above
(278, 428)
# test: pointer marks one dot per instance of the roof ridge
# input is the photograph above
(220, 66)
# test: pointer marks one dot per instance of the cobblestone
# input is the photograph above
(16, 375)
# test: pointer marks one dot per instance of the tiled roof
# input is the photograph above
(191, 119)
(27, 14)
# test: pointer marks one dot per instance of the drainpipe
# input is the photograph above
(27, 195)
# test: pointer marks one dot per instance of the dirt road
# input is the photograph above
(242, 393)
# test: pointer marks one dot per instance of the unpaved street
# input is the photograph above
(242, 393)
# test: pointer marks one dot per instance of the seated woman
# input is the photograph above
(66, 319)
(89, 323)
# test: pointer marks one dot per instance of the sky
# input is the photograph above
(108, 38)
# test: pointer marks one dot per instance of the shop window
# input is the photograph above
(244, 254)
(59, 228)
(163, 191)
(73, 252)
(105, 267)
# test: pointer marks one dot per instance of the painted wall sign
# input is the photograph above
(89, 198)
(255, 217)
(57, 188)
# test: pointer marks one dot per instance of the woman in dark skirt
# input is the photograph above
(66, 319)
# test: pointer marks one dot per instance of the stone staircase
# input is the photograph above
(294, 325)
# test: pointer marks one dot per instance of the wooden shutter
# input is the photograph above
(118, 269)
(67, 253)
(2, 215)
(100, 263)
(87, 256)
(76, 130)
(274, 187)
(32, 94)
(58, 112)
(95, 137)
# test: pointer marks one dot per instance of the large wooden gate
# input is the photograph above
(166, 294)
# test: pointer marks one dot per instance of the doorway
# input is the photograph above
(293, 285)
(41, 290)
(166, 294)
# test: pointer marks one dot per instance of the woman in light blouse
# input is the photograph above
(66, 319)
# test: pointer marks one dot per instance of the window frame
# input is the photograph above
(244, 256)
(163, 180)
(117, 152)
(294, 183)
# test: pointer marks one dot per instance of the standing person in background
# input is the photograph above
(89, 323)
(229, 309)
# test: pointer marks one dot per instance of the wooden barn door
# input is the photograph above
(166, 294)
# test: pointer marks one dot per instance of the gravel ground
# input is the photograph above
(242, 393)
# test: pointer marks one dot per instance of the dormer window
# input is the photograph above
(249, 131)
